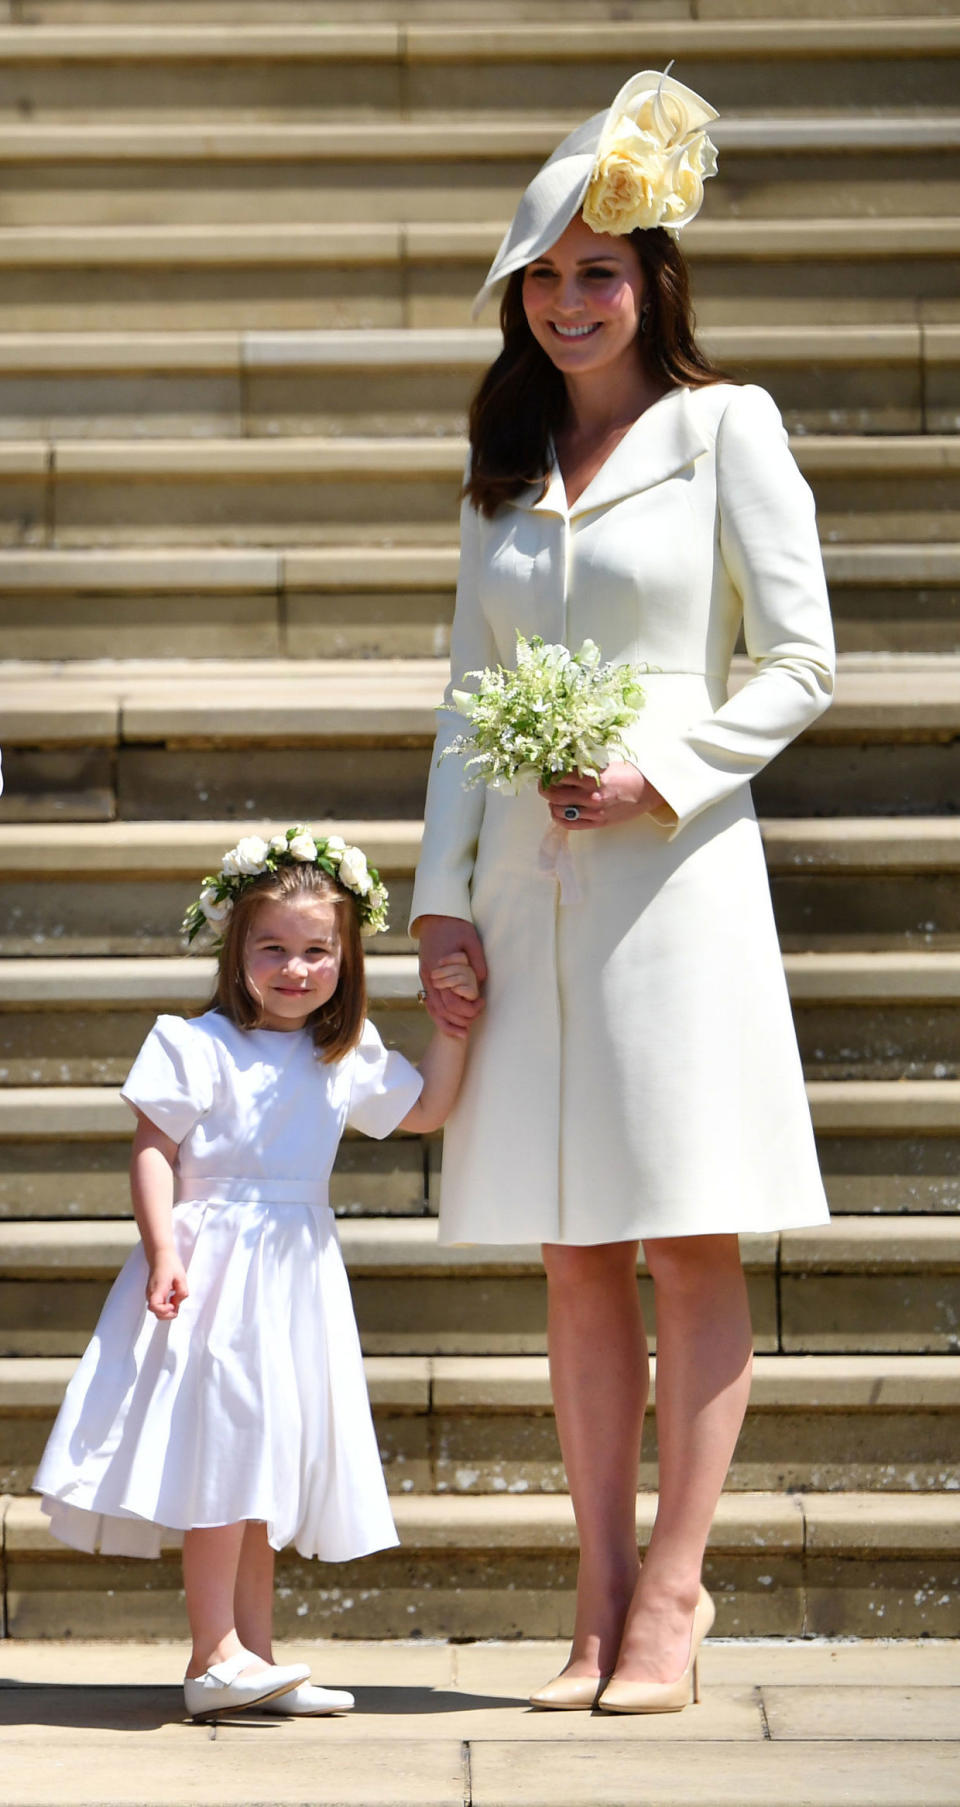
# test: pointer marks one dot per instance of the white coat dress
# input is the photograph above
(636, 1071)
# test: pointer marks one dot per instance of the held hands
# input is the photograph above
(167, 1285)
(617, 795)
(457, 975)
(452, 972)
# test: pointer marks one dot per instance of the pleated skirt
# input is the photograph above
(251, 1404)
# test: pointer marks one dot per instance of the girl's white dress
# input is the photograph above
(251, 1404)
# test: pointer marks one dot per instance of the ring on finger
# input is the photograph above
(571, 813)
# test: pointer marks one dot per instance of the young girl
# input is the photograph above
(230, 1406)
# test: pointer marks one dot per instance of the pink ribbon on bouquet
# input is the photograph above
(555, 861)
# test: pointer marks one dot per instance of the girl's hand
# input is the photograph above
(443, 938)
(618, 795)
(167, 1285)
(457, 975)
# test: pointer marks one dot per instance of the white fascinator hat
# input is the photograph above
(642, 163)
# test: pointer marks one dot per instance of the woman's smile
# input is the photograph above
(574, 332)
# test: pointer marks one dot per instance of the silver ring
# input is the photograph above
(571, 813)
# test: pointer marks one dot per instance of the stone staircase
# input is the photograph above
(238, 241)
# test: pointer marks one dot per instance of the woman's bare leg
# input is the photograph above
(211, 1558)
(253, 1597)
(704, 1351)
(599, 1372)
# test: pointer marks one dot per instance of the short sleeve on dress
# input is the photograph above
(383, 1086)
(171, 1080)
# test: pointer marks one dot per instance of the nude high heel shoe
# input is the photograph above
(665, 1697)
(569, 1693)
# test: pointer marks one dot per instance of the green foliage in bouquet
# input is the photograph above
(557, 712)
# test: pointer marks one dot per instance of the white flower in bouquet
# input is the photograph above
(556, 713)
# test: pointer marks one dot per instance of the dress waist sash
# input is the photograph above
(217, 1189)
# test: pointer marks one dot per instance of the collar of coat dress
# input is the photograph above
(664, 439)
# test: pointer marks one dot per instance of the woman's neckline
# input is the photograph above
(572, 500)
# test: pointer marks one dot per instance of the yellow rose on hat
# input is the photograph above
(652, 159)
(629, 187)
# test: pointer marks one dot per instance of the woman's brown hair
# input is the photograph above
(520, 404)
(337, 1025)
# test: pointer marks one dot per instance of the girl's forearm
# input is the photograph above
(442, 1069)
(151, 1188)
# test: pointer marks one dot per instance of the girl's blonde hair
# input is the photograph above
(337, 1025)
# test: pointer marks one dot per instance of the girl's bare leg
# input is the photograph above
(704, 1353)
(599, 1372)
(211, 1558)
(253, 1598)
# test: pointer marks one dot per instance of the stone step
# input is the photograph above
(100, 741)
(484, 1424)
(866, 1286)
(117, 888)
(399, 382)
(371, 68)
(79, 1022)
(447, 12)
(110, 1005)
(886, 1146)
(813, 1563)
(774, 271)
(266, 490)
(154, 173)
(350, 601)
(94, 888)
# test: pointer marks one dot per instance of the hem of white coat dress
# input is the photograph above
(637, 1232)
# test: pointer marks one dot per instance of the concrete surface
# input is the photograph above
(813, 1723)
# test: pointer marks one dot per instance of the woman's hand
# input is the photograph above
(167, 1285)
(445, 940)
(619, 794)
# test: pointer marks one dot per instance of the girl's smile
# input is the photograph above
(292, 959)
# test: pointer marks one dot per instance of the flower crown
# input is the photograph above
(652, 160)
(208, 915)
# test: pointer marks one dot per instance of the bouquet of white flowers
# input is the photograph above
(557, 713)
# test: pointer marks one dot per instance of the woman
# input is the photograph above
(635, 1077)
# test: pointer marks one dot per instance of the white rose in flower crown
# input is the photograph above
(215, 912)
(303, 846)
(353, 870)
(336, 844)
(250, 854)
(278, 843)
